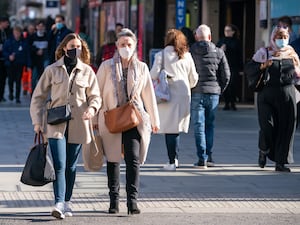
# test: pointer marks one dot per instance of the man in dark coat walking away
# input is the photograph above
(214, 76)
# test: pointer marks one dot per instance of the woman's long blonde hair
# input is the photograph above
(85, 52)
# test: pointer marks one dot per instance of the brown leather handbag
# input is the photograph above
(122, 118)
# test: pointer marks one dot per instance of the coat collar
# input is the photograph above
(60, 63)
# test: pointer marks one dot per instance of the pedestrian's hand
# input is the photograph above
(88, 114)
(39, 52)
(12, 57)
(53, 27)
(223, 47)
(266, 64)
(155, 129)
(37, 128)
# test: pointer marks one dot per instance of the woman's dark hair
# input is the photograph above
(286, 19)
(188, 33)
(235, 29)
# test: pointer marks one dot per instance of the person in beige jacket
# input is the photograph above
(119, 79)
(70, 80)
(182, 76)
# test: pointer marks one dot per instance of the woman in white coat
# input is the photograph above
(119, 79)
(182, 76)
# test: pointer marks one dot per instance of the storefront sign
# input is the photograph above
(180, 13)
(52, 4)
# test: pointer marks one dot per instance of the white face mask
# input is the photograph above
(126, 52)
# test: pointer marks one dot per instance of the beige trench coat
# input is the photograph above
(145, 98)
(55, 82)
(175, 114)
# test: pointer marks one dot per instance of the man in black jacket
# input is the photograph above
(39, 52)
(56, 35)
(214, 75)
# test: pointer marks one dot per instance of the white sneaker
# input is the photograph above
(68, 210)
(58, 211)
(170, 167)
(176, 163)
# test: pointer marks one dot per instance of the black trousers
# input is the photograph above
(230, 92)
(131, 143)
(172, 143)
(15, 76)
(3, 76)
(277, 121)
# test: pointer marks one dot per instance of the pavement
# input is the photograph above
(235, 191)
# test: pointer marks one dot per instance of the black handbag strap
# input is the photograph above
(72, 81)
(71, 84)
(266, 72)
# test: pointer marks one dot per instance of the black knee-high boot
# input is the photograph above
(132, 185)
(113, 177)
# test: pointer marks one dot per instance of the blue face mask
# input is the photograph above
(280, 43)
(59, 25)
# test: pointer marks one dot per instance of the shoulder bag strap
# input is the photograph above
(72, 81)
(266, 73)
(162, 59)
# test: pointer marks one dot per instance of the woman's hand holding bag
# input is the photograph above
(38, 169)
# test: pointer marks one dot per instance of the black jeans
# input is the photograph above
(172, 143)
(15, 76)
(230, 92)
(3, 76)
(131, 140)
(131, 144)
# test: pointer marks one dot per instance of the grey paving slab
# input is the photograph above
(234, 185)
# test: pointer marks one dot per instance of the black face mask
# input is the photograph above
(73, 53)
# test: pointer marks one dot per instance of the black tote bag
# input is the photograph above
(257, 79)
(38, 169)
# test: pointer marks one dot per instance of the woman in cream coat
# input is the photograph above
(182, 76)
(119, 78)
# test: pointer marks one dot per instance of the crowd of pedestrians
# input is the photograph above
(199, 72)
(25, 52)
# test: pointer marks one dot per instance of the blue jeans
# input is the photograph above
(203, 110)
(65, 157)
